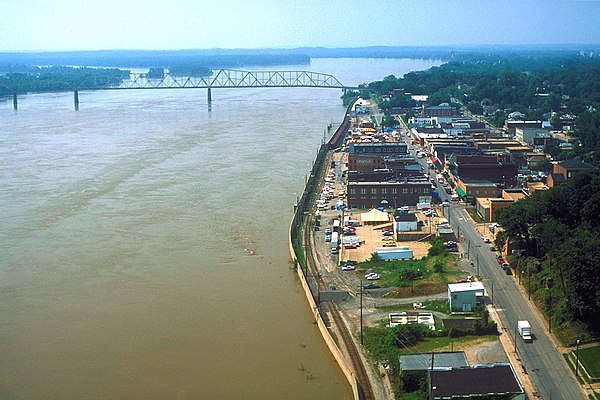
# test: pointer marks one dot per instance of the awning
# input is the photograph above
(460, 192)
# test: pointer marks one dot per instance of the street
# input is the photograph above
(540, 359)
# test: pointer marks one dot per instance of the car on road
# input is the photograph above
(371, 286)
(446, 204)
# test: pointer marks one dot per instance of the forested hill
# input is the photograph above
(154, 59)
(558, 231)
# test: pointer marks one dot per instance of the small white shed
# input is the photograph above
(463, 297)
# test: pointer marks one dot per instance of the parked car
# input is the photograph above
(492, 248)
(387, 238)
(389, 244)
(348, 267)
(505, 265)
(387, 233)
(500, 260)
(446, 204)
(508, 271)
(371, 286)
(486, 239)
(372, 277)
(328, 238)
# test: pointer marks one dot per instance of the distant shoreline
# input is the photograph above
(236, 58)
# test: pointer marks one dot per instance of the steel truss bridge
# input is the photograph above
(229, 78)
(223, 78)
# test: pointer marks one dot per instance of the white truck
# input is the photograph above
(524, 330)
(335, 242)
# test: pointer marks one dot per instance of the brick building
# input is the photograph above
(371, 194)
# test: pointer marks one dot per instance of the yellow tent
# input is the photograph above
(374, 216)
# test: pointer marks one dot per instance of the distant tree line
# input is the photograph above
(532, 86)
(538, 87)
(23, 79)
(154, 59)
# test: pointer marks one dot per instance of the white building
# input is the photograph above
(463, 297)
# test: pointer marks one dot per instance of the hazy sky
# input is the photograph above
(202, 24)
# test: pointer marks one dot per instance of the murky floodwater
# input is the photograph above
(143, 242)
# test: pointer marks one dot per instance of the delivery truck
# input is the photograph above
(524, 330)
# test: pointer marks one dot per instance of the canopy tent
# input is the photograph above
(374, 216)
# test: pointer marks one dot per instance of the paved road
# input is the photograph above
(541, 359)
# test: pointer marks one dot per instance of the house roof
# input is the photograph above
(465, 287)
(405, 218)
(478, 380)
(422, 361)
(575, 164)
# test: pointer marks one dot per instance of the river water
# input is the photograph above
(143, 242)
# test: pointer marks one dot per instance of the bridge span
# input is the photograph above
(223, 78)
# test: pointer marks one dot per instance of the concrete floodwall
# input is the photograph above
(303, 206)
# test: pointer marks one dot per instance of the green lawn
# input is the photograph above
(590, 358)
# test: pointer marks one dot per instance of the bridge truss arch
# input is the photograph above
(229, 78)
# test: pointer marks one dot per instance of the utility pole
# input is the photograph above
(515, 339)
(577, 358)
(477, 264)
(361, 312)
(469, 250)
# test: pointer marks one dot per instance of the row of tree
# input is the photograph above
(535, 86)
(58, 78)
(557, 233)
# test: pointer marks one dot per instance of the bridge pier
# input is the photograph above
(15, 103)
(76, 99)
(209, 96)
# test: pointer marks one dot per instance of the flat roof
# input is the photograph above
(478, 380)
(422, 361)
(465, 287)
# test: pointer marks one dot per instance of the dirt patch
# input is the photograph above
(371, 238)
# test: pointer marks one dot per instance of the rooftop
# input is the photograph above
(422, 361)
(465, 287)
(478, 380)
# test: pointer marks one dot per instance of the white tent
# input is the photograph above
(374, 215)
